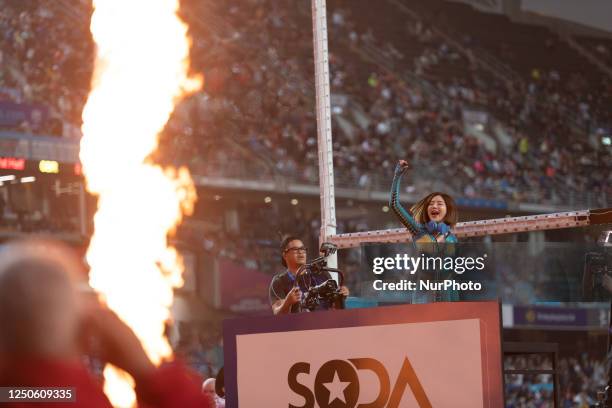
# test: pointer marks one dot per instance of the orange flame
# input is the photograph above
(140, 73)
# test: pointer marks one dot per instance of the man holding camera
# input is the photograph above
(285, 293)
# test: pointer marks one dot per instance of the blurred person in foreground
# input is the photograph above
(45, 318)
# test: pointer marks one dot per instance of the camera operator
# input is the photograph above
(285, 292)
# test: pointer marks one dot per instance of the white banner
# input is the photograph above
(425, 364)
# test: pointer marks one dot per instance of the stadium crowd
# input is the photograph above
(542, 161)
(40, 48)
(258, 64)
(201, 347)
(580, 378)
(528, 390)
(536, 111)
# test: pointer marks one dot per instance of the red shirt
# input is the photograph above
(169, 386)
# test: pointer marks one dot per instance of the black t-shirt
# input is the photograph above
(283, 282)
(281, 285)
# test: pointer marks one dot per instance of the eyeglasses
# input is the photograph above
(297, 249)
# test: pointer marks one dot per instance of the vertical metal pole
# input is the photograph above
(324, 134)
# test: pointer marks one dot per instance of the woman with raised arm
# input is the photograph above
(429, 221)
(431, 218)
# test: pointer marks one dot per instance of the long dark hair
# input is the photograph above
(419, 209)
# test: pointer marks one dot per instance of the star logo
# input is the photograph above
(337, 385)
(336, 389)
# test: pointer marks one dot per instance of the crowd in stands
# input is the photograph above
(201, 347)
(536, 164)
(259, 93)
(47, 61)
(528, 390)
(545, 158)
(580, 379)
(571, 84)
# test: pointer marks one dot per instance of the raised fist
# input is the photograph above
(403, 164)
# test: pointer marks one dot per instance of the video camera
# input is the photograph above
(319, 288)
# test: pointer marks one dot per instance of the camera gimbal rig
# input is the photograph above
(315, 280)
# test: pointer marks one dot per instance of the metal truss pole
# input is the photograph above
(497, 226)
(324, 134)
